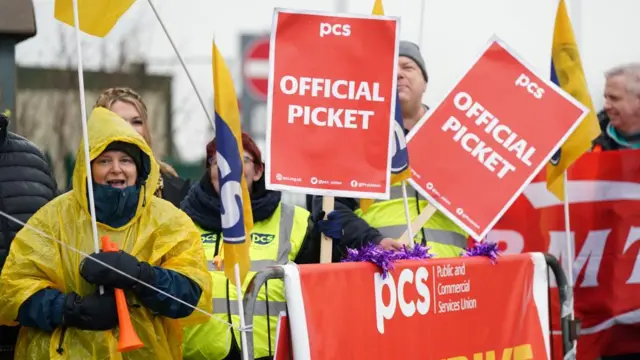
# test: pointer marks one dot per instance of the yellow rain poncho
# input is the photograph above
(159, 233)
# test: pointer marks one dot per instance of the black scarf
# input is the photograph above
(202, 203)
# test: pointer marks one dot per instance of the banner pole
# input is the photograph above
(243, 324)
(85, 132)
(184, 66)
(422, 9)
(407, 214)
(326, 243)
(569, 242)
(419, 222)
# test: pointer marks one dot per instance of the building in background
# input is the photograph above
(48, 109)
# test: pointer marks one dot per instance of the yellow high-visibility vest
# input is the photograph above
(275, 241)
(445, 238)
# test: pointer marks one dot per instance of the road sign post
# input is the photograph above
(255, 74)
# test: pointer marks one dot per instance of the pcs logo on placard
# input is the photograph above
(533, 88)
(262, 239)
(327, 29)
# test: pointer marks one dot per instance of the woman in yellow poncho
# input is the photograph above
(51, 290)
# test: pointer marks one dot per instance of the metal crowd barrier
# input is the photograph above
(251, 296)
(570, 327)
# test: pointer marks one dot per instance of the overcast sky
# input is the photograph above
(453, 33)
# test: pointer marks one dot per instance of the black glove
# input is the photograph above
(332, 226)
(91, 312)
(98, 274)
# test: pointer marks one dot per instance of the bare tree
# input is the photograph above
(48, 108)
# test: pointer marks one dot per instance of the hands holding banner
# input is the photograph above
(390, 244)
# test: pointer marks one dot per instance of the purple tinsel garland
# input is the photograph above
(384, 259)
(483, 248)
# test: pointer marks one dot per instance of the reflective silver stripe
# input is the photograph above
(438, 236)
(287, 213)
(255, 265)
(275, 307)
(284, 237)
(396, 193)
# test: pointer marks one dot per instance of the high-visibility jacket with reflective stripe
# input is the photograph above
(275, 241)
(445, 237)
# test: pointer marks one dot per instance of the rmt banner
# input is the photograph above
(331, 101)
(475, 153)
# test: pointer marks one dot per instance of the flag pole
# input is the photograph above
(569, 244)
(85, 132)
(184, 65)
(407, 214)
(567, 229)
(576, 21)
(422, 9)
(341, 6)
(243, 329)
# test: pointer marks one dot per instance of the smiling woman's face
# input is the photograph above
(130, 114)
(114, 168)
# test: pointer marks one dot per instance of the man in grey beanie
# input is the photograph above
(412, 83)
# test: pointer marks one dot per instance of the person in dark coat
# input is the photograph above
(26, 184)
(129, 105)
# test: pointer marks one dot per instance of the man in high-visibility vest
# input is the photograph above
(281, 233)
(385, 221)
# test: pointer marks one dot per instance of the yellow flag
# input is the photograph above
(566, 72)
(237, 216)
(377, 8)
(97, 17)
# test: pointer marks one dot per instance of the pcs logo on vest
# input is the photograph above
(209, 238)
(262, 239)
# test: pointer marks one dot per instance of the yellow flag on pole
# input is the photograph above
(97, 17)
(237, 217)
(566, 72)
